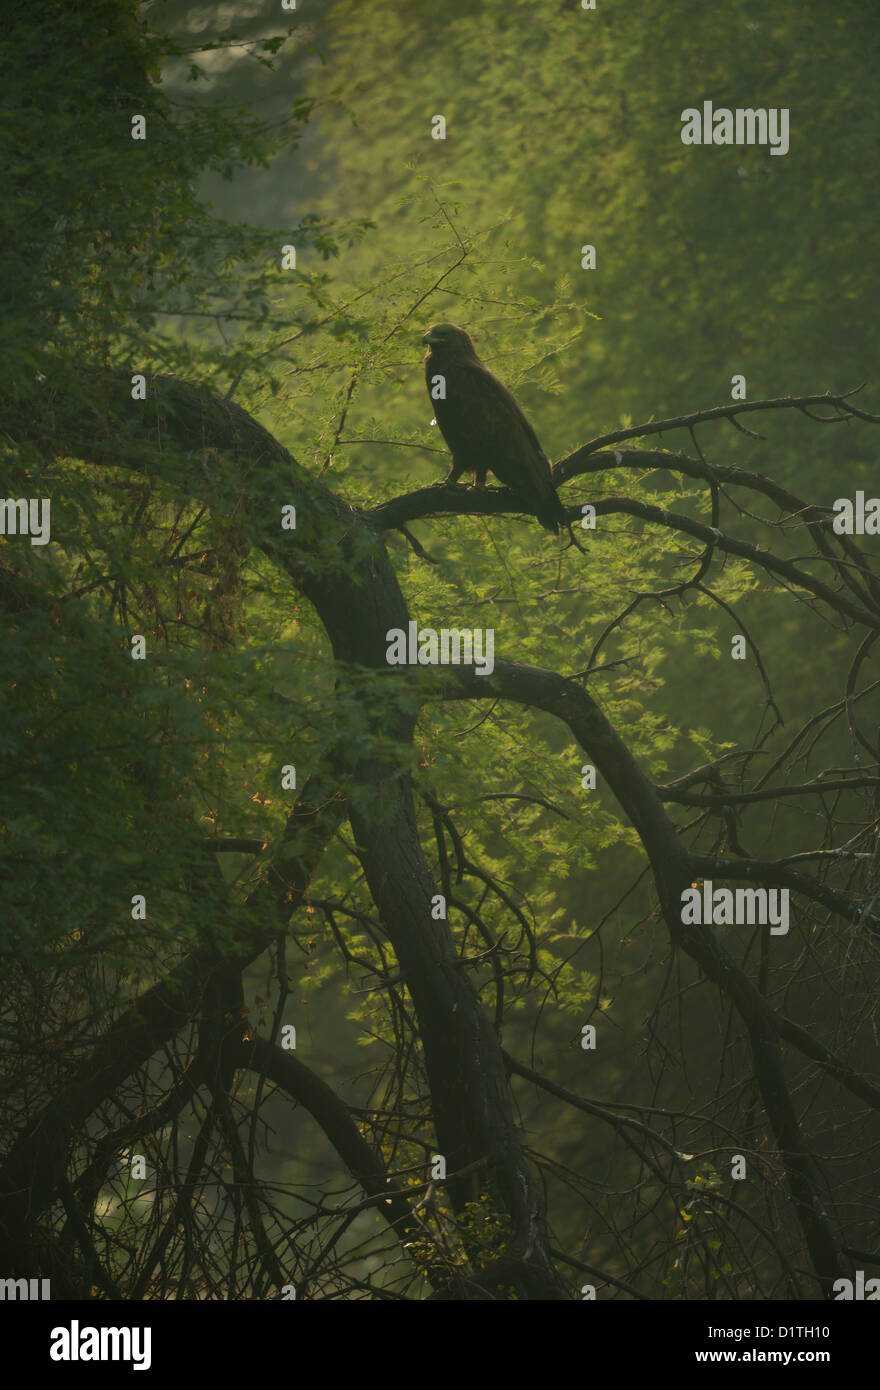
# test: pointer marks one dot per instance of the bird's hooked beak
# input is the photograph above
(428, 339)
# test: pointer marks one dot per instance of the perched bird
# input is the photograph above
(484, 426)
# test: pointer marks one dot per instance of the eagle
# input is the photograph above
(484, 425)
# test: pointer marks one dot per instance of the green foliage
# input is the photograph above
(108, 250)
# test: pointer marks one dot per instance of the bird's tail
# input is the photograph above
(550, 511)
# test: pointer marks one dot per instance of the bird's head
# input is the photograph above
(449, 338)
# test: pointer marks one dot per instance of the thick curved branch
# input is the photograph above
(670, 792)
(730, 412)
(334, 1119)
(775, 874)
(357, 598)
(36, 1161)
(446, 501)
(674, 868)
